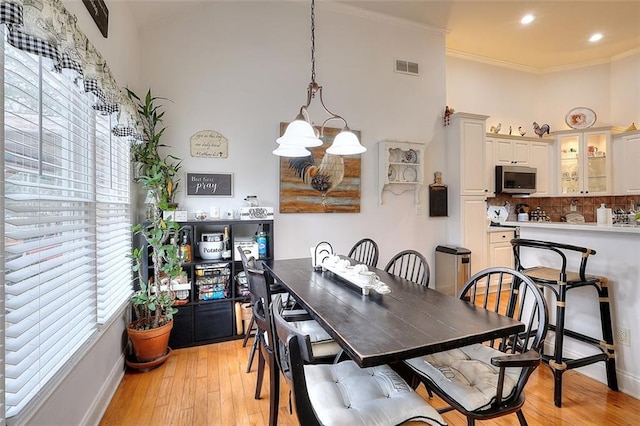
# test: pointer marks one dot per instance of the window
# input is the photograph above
(67, 224)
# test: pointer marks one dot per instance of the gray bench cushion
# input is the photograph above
(345, 394)
(466, 374)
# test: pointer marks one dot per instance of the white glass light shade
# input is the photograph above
(288, 149)
(346, 143)
(300, 132)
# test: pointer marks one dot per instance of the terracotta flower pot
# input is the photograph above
(149, 345)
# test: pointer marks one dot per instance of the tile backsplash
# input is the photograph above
(558, 207)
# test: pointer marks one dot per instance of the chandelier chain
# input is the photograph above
(313, 41)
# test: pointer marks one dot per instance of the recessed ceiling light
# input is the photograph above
(595, 37)
(527, 19)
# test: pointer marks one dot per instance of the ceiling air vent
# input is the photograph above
(407, 67)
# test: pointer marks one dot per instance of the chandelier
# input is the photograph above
(300, 133)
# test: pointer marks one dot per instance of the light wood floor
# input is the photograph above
(207, 385)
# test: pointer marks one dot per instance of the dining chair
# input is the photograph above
(325, 349)
(556, 276)
(275, 289)
(483, 381)
(365, 251)
(343, 393)
(410, 265)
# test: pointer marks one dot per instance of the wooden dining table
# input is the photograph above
(375, 329)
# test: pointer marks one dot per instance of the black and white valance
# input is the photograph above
(45, 28)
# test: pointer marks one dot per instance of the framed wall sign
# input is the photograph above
(209, 144)
(100, 14)
(210, 184)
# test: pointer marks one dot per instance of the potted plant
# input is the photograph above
(145, 154)
(154, 298)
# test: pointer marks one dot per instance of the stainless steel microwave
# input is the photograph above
(515, 180)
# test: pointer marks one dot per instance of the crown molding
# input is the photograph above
(490, 61)
(379, 17)
(532, 70)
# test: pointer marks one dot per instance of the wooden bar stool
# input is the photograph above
(560, 281)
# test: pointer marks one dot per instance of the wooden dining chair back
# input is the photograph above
(343, 393)
(323, 347)
(275, 288)
(484, 381)
(410, 265)
(259, 287)
(365, 251)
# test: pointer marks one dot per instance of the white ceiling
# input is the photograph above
(491, 30)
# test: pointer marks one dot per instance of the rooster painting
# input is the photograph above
(324, 177)
(320, 182)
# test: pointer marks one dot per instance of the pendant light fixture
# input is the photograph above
(300, 134)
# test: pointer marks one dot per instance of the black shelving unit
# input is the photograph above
(207, 314)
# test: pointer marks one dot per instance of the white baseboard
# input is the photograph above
(96, 411)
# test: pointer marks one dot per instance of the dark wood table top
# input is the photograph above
(377, 329)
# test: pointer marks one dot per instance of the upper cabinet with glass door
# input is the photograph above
(585, 161)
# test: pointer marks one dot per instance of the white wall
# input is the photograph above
(625, 90)
(241, 68)
(507, 96)
(518, 98)
(581, 87)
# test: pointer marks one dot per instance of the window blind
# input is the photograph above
(113, 220)
(67, 225)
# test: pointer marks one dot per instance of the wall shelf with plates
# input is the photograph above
(400, 168)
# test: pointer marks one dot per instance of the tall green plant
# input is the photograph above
(158, 178)
(145, 155)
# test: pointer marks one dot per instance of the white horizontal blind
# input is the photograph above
(2, 257)
(50, 225)
(113, 224)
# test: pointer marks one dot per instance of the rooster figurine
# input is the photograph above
(496, 129)
(322, 178)
(522, 132)
(540, 130)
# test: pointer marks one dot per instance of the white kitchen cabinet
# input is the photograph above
(585, 161)
(542, 159)
(467, 175)
(626, 173)
(465, 154)
(473, 212)
(510, 150)
(523, 151)
(499, 249)
(400, 168)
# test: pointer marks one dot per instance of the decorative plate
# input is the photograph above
(580, 118)
(497, 214)
(394, 154)
(392, 174)
(409, 156)
(410, 174)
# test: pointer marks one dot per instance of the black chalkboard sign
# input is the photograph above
(210, 184)
(100, 14)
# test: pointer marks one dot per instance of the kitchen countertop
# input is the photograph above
(625, 229)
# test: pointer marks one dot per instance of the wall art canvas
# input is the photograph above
(320, 183)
